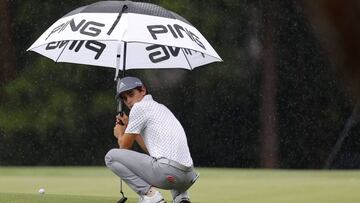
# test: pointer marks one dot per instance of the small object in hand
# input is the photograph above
(41, 191)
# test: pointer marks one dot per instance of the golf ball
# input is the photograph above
(42, 191)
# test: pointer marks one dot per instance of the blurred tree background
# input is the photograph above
(282, 98)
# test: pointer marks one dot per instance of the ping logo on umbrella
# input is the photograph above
(162, 52)
(176, 31)
(76, 45)
(90, 28)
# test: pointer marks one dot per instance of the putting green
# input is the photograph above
(98, 184)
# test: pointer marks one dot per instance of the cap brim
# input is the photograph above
(124, 90)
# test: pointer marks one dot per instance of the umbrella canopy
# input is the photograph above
(125, 35)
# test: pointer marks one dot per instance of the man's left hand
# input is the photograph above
(119, 130)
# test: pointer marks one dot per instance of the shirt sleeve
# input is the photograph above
(137, 120)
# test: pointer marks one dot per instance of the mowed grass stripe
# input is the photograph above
(98, 184)
(33, 198)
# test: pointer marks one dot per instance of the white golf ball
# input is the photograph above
(42, 191)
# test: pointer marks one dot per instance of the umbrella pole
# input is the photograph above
(119, 101)
(118, 56)
(124, 59)
(118, 78)
(119, 110)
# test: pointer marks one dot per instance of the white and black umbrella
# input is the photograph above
(125, 35)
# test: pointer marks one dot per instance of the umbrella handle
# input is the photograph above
(120, 112)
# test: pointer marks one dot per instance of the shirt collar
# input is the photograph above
(147, 97)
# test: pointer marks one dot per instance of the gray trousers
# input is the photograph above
(141, 171)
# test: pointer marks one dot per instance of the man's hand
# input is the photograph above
(125, 140)
(122, 118)
(119, 129)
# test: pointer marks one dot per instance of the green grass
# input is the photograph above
(99, 185)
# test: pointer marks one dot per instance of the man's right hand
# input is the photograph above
(120, 124)
(122, 119)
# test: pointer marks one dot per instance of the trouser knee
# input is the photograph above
(109, 157)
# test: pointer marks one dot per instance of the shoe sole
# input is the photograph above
(161, 201)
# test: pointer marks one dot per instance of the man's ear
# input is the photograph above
(143, 89)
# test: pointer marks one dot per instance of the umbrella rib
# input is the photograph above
(117, 20)
(182, 49)
(62, 51)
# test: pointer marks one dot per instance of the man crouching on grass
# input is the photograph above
(167, 164)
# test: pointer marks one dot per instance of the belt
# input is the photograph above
(174, 164)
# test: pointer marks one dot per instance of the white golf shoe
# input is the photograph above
(156, 198)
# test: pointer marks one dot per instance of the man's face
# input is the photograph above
(133, 96)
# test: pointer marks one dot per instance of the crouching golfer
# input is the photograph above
(168, 164)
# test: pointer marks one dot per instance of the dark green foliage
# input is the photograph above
(63, 114)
